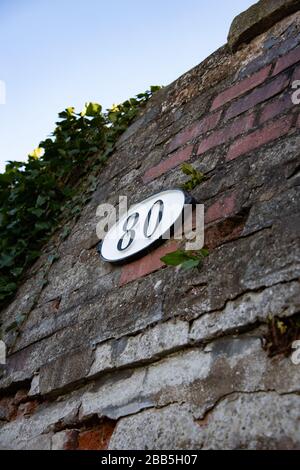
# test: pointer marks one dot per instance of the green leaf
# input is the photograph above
(281, 327)
(190, 263)
(37, 152)
(188, 259)
(175, 258)
(76, 210)
(67, 113)
(155, 88)
(204, 252)
(36, 211)
(40, 201)
(42, 225)
(66, 232)
(70, 110)
(6, 260)
(92, 109)
(187, 169)
(196, 176)
(33, 254)
(16, 272)
(7, 290)
(62, 152)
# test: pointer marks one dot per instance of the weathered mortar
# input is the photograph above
(144, 357)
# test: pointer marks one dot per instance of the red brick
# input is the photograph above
(222, 208)
(262, 136)
(224, 135)
(96, 439)
(268, 56)
(224, 231)
(258, 96)
(242, 87)
(276, 107)
(287, 60)
(147, 264)
(193, 131)
(166, 165)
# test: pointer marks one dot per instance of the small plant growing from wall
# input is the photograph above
(185, 258)
(281, 334)
(196, 177)
(188, 259)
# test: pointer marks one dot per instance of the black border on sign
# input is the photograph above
(188, 199)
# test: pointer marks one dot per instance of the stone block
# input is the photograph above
(257, 19)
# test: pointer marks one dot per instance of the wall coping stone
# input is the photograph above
(258, 19)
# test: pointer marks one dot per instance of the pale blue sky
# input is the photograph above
(59, 53)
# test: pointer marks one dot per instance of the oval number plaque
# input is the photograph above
(143, 225)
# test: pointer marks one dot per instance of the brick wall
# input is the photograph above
(148, 356)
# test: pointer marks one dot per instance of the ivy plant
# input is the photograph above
(37, 193)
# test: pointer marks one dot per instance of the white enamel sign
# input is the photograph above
(143, 225)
